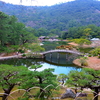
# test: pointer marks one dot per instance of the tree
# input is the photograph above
(87, 32)
(32, 30)
(27, 78)
(95, 52)
(10, 77)
(85, 78)
(63, 34)
(35, 47)
(13, 32)
(42, 32)
(27, 37)
(81, 41)
(45, 79)
(4, 28)
(62, 78)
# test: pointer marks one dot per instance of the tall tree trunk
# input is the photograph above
(41, 90)
(2, 43)
(7, 92)
(62, 82)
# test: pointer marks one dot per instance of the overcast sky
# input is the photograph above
(36, 2)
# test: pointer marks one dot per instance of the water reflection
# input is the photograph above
(61, 65)
(60, 58)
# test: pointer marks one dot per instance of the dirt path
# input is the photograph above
(9, 57)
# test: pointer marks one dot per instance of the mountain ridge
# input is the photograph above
(61, 16)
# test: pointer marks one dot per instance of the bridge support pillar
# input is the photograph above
(66, 55)
(58, 55)
(50, 55)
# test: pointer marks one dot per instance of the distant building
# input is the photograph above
(42, 38)
(48, 38)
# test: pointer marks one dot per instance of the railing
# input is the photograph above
(62, 50)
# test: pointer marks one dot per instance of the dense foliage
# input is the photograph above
(88, 32)
(60, 17)
(81, 41)
(69, 20)
(95, 52)
(13, 33)
(85, 78)
(24, 78)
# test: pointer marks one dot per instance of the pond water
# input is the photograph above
(61, 65)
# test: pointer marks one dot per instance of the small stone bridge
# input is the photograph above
(62, 50)
(44, 53)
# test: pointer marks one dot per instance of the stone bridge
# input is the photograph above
(62, 50)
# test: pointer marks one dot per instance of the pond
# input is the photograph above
(61, 65)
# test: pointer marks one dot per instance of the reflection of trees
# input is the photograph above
(23, 62)
(62, 61)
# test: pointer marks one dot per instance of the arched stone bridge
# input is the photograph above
(62, 50)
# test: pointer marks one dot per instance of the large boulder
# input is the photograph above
(69, 94)
(81, 94)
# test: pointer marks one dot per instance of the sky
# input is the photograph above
(36, 2)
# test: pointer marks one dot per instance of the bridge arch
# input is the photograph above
(58, 51)
(62, 50)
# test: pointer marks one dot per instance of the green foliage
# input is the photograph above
(81, 41)
(58, 17)
(4, 28)
(83, 61)
(21, 51)
(62, 78)
(24, 55)
(10, 77)
(27, 78)
(45, 79)
(87, 32)
(35, 47)
(14, 48)
(13, 32)
(95, 52)
(51, 20)
(85, 78)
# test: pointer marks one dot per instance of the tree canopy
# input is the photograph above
(85, 78)
(14, 32)
(26, 78)
(61, 16)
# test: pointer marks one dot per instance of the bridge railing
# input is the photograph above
(61, 50)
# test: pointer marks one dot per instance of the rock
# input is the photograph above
(69, 94)
(81, 95)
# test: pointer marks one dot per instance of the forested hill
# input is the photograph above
(62, 16)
